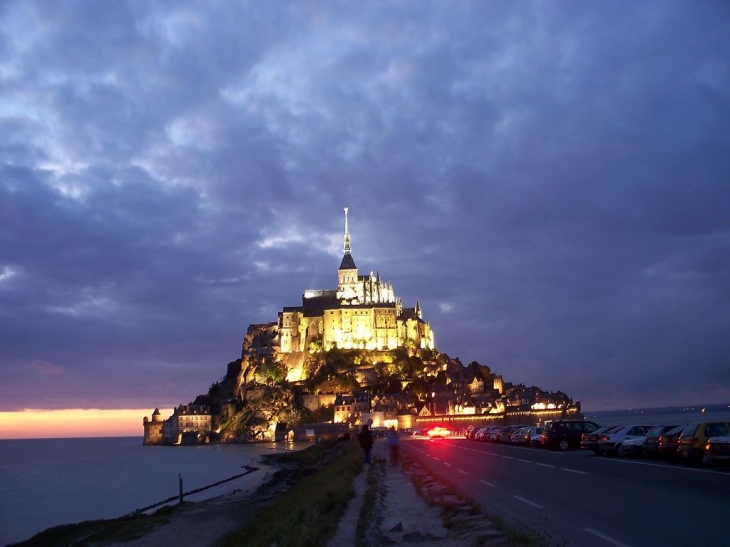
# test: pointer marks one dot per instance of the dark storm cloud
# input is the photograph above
(549, 180)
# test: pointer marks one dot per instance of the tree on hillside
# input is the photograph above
(419, 388)
(341, 383)
(270, 371)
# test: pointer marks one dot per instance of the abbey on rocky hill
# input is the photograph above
(363, 312)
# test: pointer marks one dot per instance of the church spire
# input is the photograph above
(347, 234)
(347, 262)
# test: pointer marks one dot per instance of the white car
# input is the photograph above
(632, 446)
(610, 443)
(717, 449)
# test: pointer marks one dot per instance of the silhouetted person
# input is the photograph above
(365, 438)
(393, 442)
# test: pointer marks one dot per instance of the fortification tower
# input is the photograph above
(153, 428)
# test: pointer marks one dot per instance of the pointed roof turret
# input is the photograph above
(347, 262)
(418, 309)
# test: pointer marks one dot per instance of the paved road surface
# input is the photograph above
(576, 498)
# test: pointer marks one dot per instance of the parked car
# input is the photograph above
(505, 436)
(610, 443)
(717, 450)
(494, 434)
(485, 433)
(528, 433)
(504, 433)
(668, 443)
(589, 441)
(565, 434)
(693, 439)
(516, 436)
(535, 438)
(650, 447)
(473, 431)
(632, 446)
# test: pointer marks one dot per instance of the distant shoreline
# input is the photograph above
(713, 407)
(688, 408)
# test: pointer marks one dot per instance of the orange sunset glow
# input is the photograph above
(75, 422)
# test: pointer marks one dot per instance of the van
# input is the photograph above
(565, 434)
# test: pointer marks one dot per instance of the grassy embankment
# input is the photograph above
(308, 513)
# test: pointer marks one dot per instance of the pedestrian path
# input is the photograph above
(406, 516)
(347, 528)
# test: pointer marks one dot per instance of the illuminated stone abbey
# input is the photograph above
(362, 313)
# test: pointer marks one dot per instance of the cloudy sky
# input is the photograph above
(550, 179)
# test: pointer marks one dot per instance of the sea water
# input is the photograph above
(674, 415)
(48, 482)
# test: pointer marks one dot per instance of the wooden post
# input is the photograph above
(179, 476)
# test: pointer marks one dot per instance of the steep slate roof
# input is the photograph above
(348, 263)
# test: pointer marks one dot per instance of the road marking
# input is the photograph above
(447, 463)
(435, 458)
(528, 502)
(545, 465)
(524, 461)
(573, 471)
(605, 538)
(487, 483)
(663, 466)
(462, 472)
(508, 457)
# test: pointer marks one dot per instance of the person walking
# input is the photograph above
(393, 442)
(365, 438)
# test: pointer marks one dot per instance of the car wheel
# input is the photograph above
(621, 452)
(596, 452)
(563, 445)
(706, 462)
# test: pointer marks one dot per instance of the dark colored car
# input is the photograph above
(565, 434)
(470, 431)
(484, 434)
(693, 439)
(668, 443)
(650, 448)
